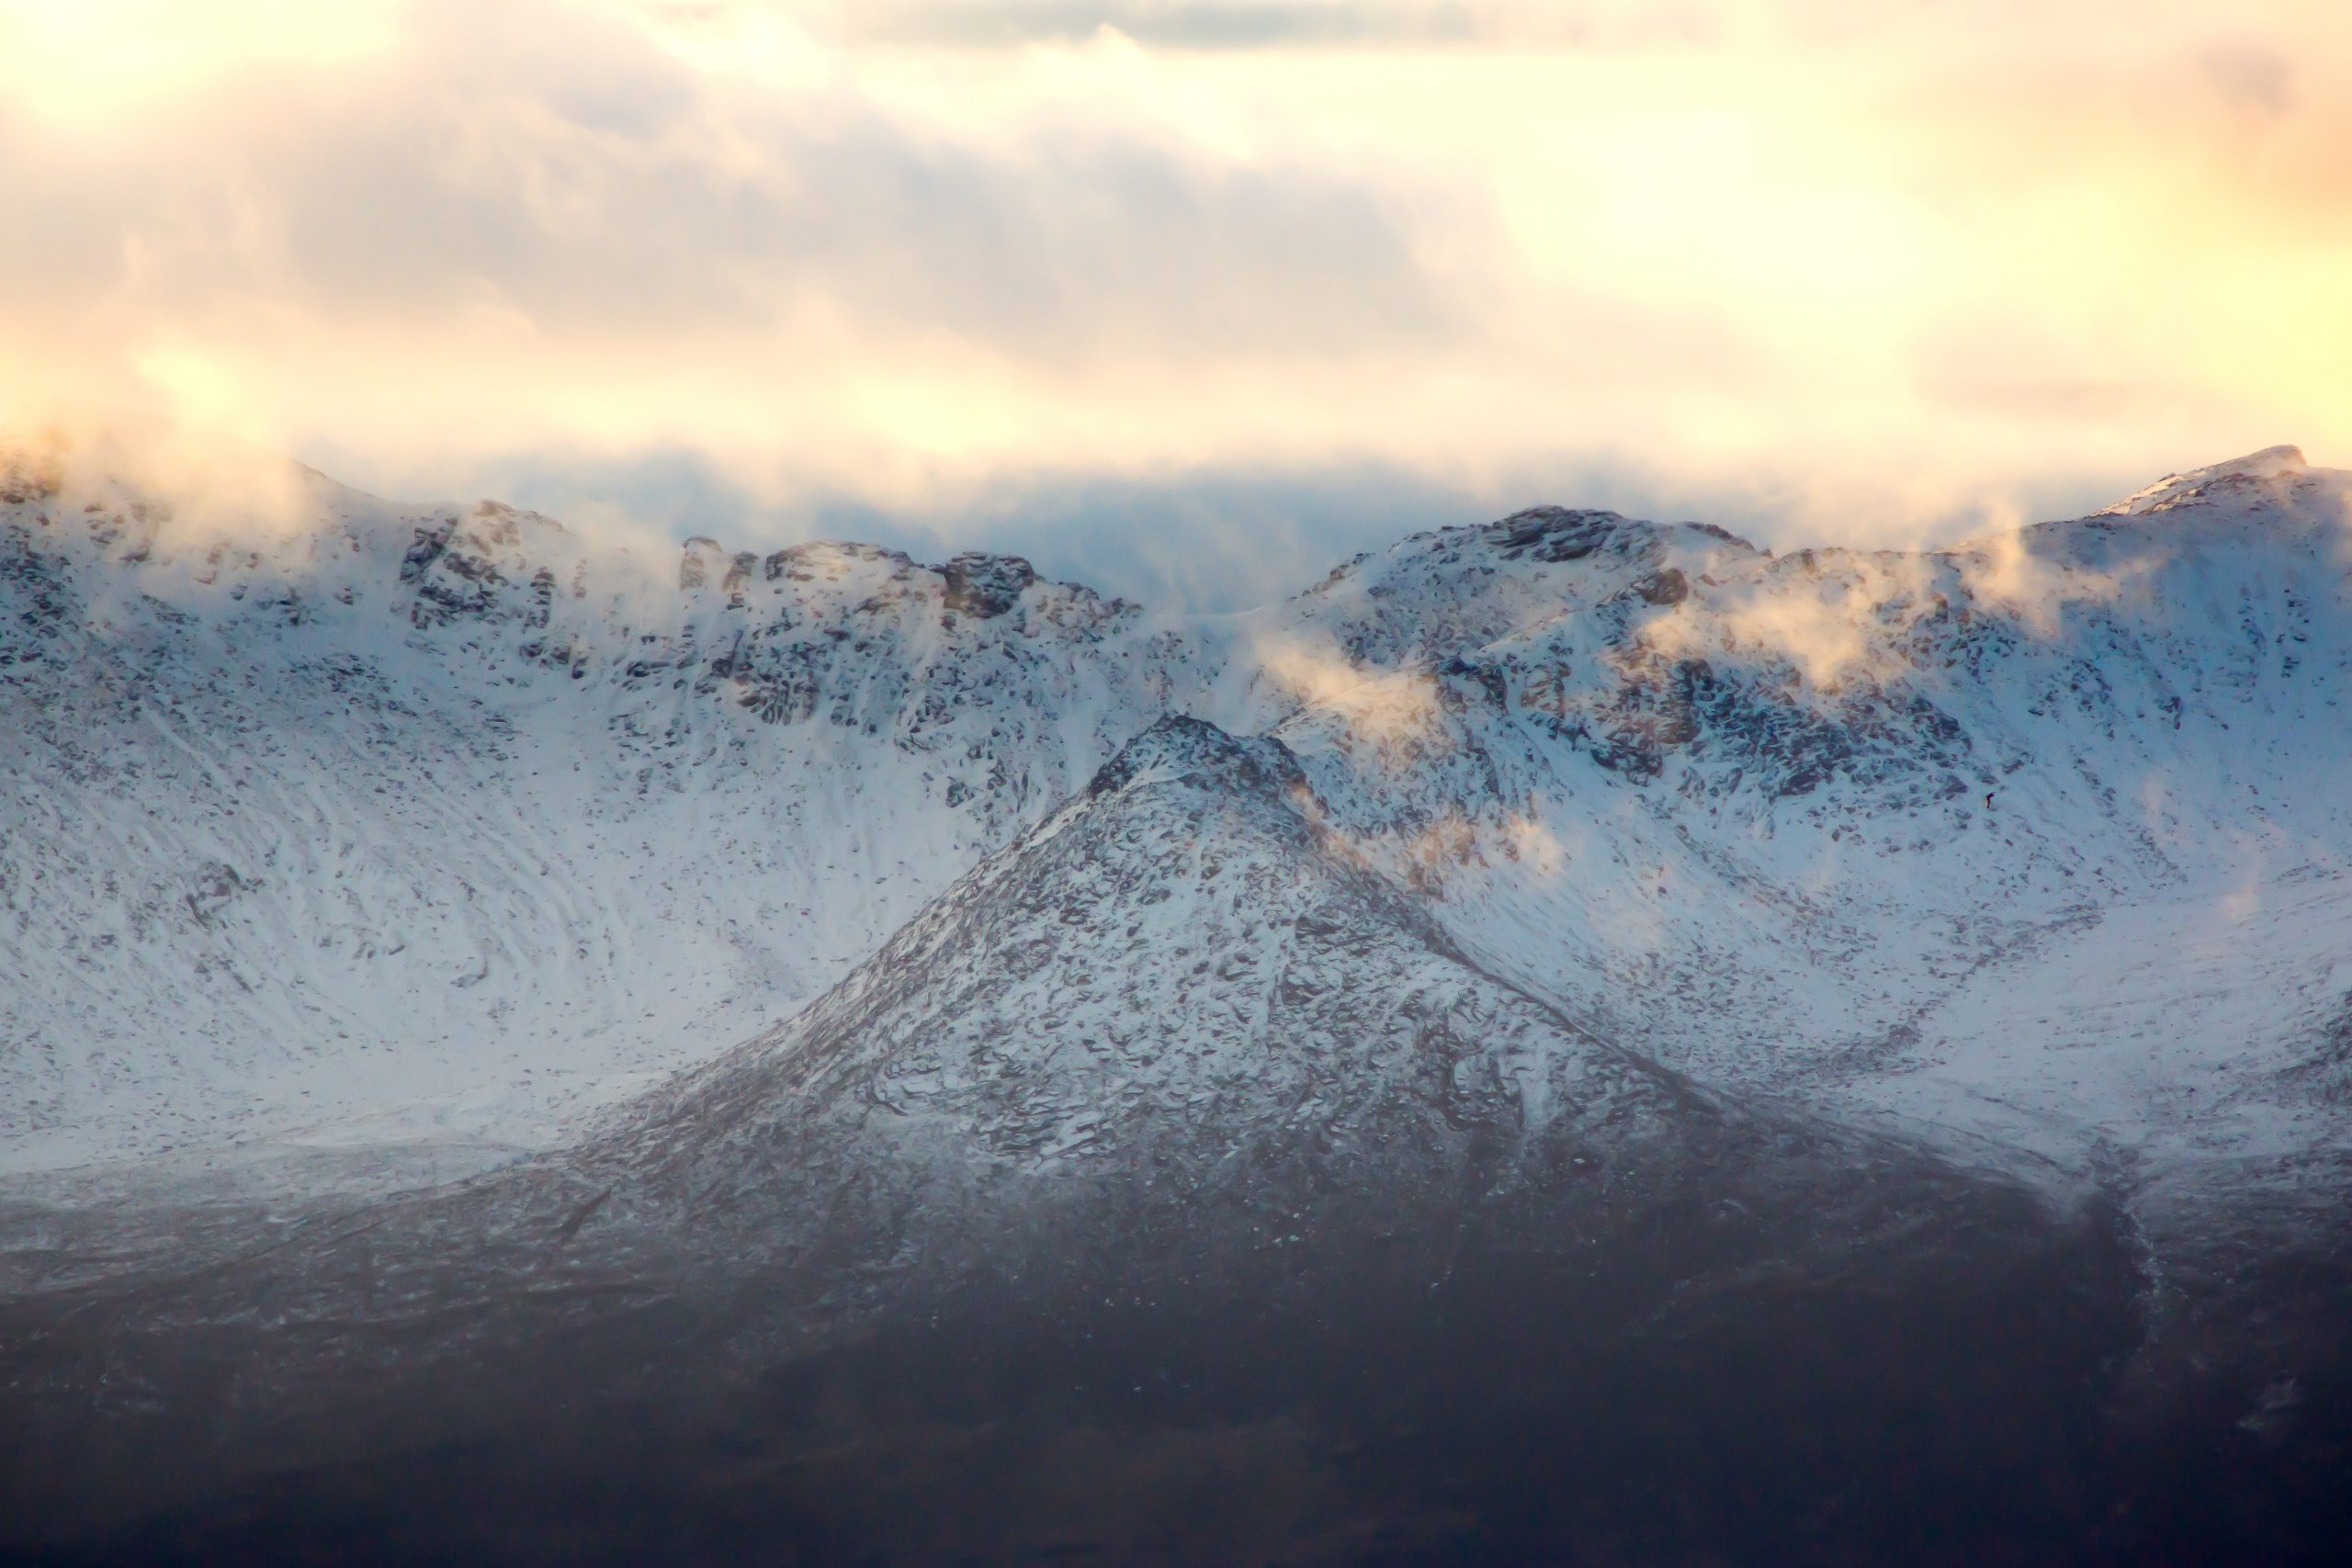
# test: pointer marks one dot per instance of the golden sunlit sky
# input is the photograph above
(1193, 297)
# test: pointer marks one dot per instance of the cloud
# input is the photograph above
(192, 489)
(2252, 75)
(1216, 536)
(1205, 24)
(1211, 539)
(1259, 24)
(604, 191)
(1834, 618)
(1253, 275)
(1841, 616)
(1383, 708)
(2007, 574)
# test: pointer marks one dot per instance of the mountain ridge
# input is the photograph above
(1728, 807)
(1172, 1112)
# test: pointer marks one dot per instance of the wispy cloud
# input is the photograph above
(1271, 24)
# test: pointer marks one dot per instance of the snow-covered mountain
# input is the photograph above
(1184, 979)
(1173, 1107)
(379, 824)
(450, 812)
(1802, 1034)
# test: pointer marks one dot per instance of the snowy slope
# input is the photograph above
(1173, 1109)
(420, 808)
(1177, 1028)
(1732, 808)
(1183, 971)
(397, 822)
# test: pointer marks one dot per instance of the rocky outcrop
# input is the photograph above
(984, 586)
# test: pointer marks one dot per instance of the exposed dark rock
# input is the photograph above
(738, 577)
(1194, 750)
(1489, 678)
(30, 476)
(430, 542)
(1714, 531)
(984, 586)
(1553, 534)
(1667, 587)
(697, 559)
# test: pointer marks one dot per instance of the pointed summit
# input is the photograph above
(1172, 978)
(1194, 750)
(2243, 478)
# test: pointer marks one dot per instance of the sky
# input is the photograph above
(1191, 299)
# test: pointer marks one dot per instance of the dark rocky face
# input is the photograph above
(1132, 1379)
(983, 585)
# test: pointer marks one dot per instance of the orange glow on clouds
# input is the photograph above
(1881, 267)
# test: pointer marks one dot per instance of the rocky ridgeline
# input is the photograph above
(544, 787)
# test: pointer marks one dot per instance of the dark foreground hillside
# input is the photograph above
(1980, 1396)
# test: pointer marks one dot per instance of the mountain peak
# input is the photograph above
(983, 585)
(1180, 747)
(2241, 478)
(1557, 533)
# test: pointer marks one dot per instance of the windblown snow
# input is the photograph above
(443, 827)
